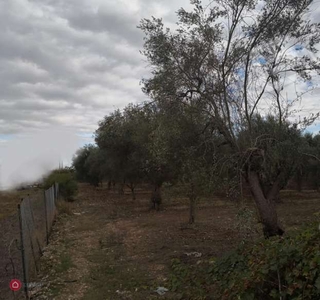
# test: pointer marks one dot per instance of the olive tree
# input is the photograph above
(181, 145)
(309, 168)
(125, 137)
(234, 57)
(79, 162)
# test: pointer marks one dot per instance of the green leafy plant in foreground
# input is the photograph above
(277, 268)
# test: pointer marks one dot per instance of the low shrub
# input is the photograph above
(68, 186)
(64, 208)
(277, 268)
(189, 280)
(247, 224)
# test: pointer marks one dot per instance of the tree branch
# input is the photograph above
(311, 155)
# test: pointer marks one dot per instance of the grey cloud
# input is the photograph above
(62, 65)
(108, 19)
(21, 71)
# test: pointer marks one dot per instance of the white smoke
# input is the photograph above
(25, 159)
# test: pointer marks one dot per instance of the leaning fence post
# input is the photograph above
(24, 267)
(46, 216)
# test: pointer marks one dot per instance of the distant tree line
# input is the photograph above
(174, 144)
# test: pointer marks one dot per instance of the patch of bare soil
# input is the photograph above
(111, 247)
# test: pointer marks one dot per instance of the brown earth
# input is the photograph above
(106, 246)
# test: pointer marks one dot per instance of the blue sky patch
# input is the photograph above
(85, 135)
(314, 129)
(6, 137)
(240, 72)
(309, 84)
(85, 138)
(262, 60)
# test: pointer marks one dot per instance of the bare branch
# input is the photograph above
(313, 156)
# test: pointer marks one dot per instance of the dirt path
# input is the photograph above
(110, 247)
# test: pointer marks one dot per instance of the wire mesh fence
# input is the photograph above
(50, 208)
(33, 224)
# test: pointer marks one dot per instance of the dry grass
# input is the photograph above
(120, 250)
(9, 201)
(64, 207)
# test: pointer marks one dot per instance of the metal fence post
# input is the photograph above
(22, 244)
(46, 216)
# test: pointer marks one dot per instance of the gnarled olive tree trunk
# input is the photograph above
(121, 187)
(265, 204)
(192, 207)
(156, 197)
(132, 186)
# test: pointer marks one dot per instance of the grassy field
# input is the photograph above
(106, 246)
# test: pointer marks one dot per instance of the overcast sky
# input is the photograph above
(64, 65)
